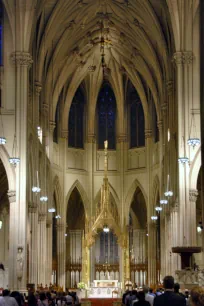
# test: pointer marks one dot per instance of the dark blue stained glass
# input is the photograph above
(106, 117)
(137, 122)
(76, 121)
(1, 44)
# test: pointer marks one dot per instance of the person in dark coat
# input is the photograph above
(169, 298)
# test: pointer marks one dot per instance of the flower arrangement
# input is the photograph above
(81, 285)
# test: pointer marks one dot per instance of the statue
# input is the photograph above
(19, 263)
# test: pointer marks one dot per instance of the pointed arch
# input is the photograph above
(136, 184)
(82, 193)
(10, 172)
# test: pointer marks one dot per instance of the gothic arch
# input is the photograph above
(10, 172)
(136, 184)
(82, 193)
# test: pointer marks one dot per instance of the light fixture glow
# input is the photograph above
(51, 210)
(14, 161)
(199, 230)
(58, 217)
(43, 199)
(168, 193)
(193, 142)
(164, 202)
(2, 140)
(154, 217)
(106, 229)
(36, 189)
(158, 208)
(65, 235)
(1, 223)
(183, 160)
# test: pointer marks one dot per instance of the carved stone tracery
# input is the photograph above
(22, 59)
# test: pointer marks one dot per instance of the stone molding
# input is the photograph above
(11, 196)
(148, 133)
(22, 59)
(193, 194)
(42, 217)
(185, 57)
(91, 138)
(32, 207)
(64, 134)
(121, 138)
(164, 108)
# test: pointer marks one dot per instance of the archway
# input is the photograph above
(75, 229)
(4, 227)
(138, 238)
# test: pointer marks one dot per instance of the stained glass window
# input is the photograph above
(106, 108)
(137, 122)
(76, 121)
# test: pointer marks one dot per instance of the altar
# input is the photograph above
(104, 289)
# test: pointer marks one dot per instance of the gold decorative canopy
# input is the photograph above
(106, 214)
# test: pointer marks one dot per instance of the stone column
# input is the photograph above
(22, 61)
(61, 250)
(193, 194)
(42, 248)
(44, 123)
(152, 264)
(36, 119)
(175, 260)
(51, 130)
(13, 225)
(49, 252)
(183, 60)
(91, 152)
(33, 252)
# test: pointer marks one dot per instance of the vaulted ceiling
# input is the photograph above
(137, 40)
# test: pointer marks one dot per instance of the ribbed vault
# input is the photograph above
(138, 46)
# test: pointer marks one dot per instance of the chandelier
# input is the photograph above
(164, 202)
(51, 210)
(183, 160)
(193, 142)
(158, 208)
(44, 199)
(154, 218)
(36, 189)
(168, 193)
(106, 229)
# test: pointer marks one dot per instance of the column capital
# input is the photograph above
(164, 108)
(21, 58)
(160, 125)
(121, 138)
(185, 57)
(52, 126)
(193, 194)
(32, 207)
(11, 196)
(169, 87)
(64, 134)
(45, 109)
(177, 57)
(38, 88)
(42, 217)
(148, 133)
(175, 207)
(91, 138)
